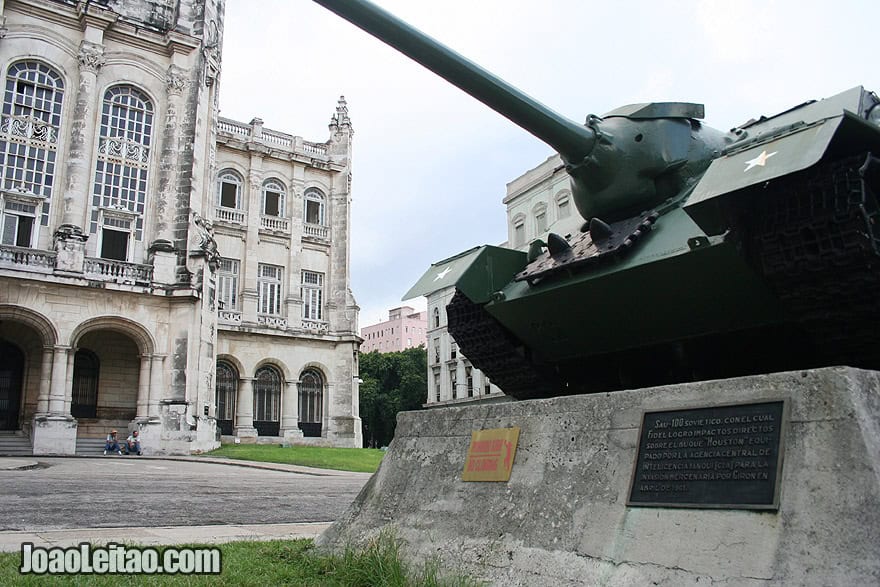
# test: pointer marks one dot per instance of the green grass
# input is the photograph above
(292, 562)
(364, 460)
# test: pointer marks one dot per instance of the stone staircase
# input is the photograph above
(89, 447)
(14, 443)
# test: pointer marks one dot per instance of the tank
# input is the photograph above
(703, 254)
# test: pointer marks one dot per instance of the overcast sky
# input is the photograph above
(431, 163)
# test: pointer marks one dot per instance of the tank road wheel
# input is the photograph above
(494, 351)
(818, 244)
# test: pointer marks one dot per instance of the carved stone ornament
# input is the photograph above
(91, 56)
(175, 80)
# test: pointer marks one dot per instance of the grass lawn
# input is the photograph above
(364, 460)
(291, 562)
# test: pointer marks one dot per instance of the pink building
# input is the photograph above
(404, 328)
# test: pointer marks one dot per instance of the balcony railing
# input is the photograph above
(229, 316)
(275, 223)
(27, 259)
(119, 271)
(316, 231)
(315, 148)
(317, 326)
(272, 321)
(230, 215)
(277, 138)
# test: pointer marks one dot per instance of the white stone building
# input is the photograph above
(110, 268)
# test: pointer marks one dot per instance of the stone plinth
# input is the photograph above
(562, 519)
(54, 435)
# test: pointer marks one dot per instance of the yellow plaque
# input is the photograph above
(490, 456)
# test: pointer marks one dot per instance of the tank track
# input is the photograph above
(494, 351)
(818, 245)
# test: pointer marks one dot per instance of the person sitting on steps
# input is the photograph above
(112, 443)
(133, 444)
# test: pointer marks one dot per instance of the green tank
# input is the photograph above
(703, 254)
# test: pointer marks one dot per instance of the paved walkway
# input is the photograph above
(10, 541)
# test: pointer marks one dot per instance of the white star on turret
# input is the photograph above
(760, 160)
(443, 273)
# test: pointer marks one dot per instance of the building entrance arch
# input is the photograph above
(11, 379)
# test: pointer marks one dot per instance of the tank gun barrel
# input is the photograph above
(573, 141)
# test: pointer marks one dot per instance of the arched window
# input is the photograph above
(28, 146)
(273, 198)
(226, 392)
(311, 402)
(267, 401)
(314, 207)
(84, 402)
(120, 193)
(229, 189)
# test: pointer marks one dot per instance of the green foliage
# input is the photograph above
(281, 562)
(392, 382)
(364, 460)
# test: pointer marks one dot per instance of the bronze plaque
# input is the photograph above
(719, 457)
(490, 456)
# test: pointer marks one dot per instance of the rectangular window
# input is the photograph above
(114, 245)
(564, 208)
(453, 350)
(453, 383)
(18, 224)
(228, 194)
(227, 284)
(469, 378)
(272, 203)
(437, 385)
(436, 350)
(313, 212)
(541, 221)
(519, 235)
(313, 295)
(269, 289)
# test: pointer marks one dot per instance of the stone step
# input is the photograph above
(89, 446)
(15, 444)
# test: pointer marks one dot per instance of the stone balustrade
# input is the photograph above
(316, 231)
(230, 215)
(317, 326)
(275, 223)
(27, 259)
(272, 321)
(229, 316)
(120, 271)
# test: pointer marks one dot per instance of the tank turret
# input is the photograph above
(704, 254)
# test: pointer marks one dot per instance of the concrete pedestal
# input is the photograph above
(562, 518)
(54, 435)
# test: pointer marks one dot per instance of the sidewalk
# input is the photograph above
(169, 535)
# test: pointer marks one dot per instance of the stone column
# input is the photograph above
(71, 236)
(55, 432)
(68, 382)
(163, 248)
(143, 395)
(57, 392)
(290, 410)
(45, 381)
(157, 385)
(244, 410)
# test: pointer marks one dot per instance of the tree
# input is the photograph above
(392, 382)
